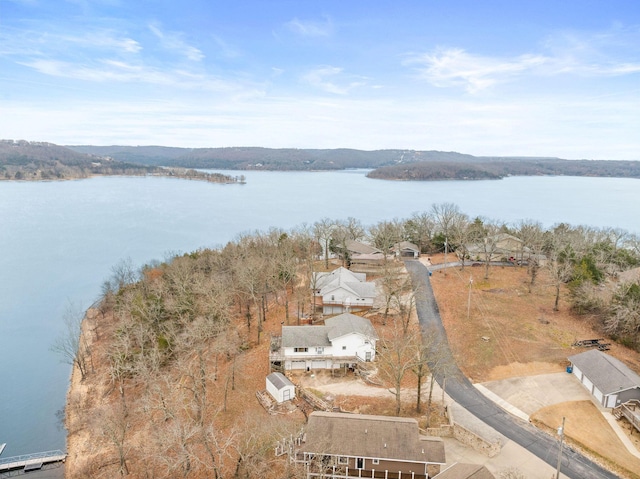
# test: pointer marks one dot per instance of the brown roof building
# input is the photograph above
(341, 445)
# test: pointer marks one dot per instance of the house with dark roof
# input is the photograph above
(608, 379)
(341, 290)
(339, 445)
(342, 342)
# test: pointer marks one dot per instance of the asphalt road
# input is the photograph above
(460, 389)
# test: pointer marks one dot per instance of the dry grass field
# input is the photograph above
(524, 336)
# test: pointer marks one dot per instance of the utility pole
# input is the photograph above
(561, 434)
(469, 300)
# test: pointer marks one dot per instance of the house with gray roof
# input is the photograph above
(339, 445)
(341, 290)
(406, 249)
(461, 470)
(342, 342)
(608, 379)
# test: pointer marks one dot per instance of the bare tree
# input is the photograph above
(419, 230)
(323, 231)
(71, 343)
(446, 215)
(531, 233)
(396, 356)
(386, 234)
(114, 425)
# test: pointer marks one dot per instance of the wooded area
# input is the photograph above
(172, 354)
(39, 161)
(489, 169)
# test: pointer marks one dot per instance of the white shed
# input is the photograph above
(280, 388)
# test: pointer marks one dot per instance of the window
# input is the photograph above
(320, 350)
(343, 460)
(359, 462)
(300, 350)
(344, 348)
(375, 461)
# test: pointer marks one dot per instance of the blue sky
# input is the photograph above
(527, 77)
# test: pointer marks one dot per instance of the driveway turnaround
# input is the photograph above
(574, 465)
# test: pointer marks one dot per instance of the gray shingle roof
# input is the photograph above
(314, 336)
(360, 435)
(362, 248)
(465, 471)
(279, 380)
(347, 323)
(607, 373)
(305, 336)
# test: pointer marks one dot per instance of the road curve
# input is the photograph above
(460, 389)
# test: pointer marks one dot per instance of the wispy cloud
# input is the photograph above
(109, 70)
(330, 80)
(599, 54)
(309, 28)
(175, 42)
(456, 67)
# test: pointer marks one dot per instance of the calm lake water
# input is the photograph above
(59, 240)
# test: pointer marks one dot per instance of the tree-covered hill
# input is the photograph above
(489, 168)
(255, 158)
(24, 160)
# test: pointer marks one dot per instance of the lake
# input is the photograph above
(59, 241)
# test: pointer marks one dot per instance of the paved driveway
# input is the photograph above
(531, 393)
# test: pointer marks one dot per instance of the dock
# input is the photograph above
(31, 462)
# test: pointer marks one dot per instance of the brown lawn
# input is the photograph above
(586, 428)
(527, 337)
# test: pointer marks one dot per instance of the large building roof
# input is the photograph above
(342, 278)
(361, 248)
(607, 373)
(304, 336)
(382, 437)
(348, 323)
(335, 327)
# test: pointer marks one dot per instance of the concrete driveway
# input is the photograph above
(531, 393)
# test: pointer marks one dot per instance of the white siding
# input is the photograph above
(587, 384)
(577, 373)
(598, 395)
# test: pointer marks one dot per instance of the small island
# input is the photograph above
(496, 169)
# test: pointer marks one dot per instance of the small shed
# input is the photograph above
(608, 379)
(280, 388)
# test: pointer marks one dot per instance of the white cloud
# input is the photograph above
(326, 78)
(310, 28)
(609, 53)
(174, 42)
(456, 67)
(110, 70)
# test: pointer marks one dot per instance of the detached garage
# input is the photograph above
(608, 379)
(280, 388)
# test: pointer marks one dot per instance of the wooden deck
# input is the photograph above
(630, 410)
(31, 462)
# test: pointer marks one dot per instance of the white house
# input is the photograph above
(341, 290)
(608, 379)
(343, 341)
(280, 388)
